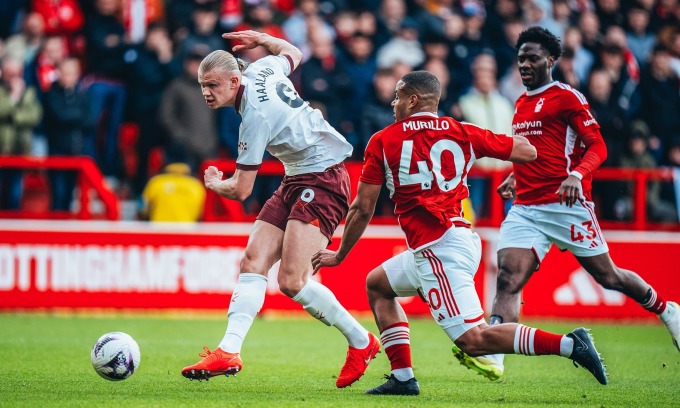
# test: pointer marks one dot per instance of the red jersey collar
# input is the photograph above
(239, 96)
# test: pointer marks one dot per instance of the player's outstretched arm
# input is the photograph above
(276, 46)
(522, 150)
(238, 187)
(359, 215)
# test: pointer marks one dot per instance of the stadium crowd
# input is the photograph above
(79, 76)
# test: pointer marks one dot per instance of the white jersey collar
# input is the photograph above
(541, 89)
(434, 115)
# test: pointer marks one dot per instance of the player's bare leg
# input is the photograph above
(606, 273)
(394, 335)
(513, 338)
(515, 267)
(262, 251)
(301, 241)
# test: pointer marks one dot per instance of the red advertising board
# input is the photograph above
(74, 264)
(130, 265)
(561, 288)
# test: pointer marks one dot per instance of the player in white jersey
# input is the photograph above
(553, 203)
(301, 216)
(425, 160)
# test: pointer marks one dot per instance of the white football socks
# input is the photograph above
(566, 346)
(246, 302)
(667, 315)
(321, 303)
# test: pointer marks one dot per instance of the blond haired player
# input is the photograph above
(300, 217)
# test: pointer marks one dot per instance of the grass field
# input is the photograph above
(291, 362)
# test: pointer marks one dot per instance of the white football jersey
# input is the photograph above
(276, 119)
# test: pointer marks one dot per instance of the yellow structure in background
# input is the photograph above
(173, 196)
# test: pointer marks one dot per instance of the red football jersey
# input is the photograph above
(425, 160)
(553, 118)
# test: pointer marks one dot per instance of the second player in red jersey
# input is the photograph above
(554, 203)
(556, 119)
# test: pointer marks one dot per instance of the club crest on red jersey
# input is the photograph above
(539, 105)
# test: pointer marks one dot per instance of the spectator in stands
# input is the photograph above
(666, 13)
(504, 50)
(306, 17)
(637, 156)
(484, 106)
(435, 47)
(469, 46)
(42, 71)
(259, 15)
(63, 18)
(389, 18)
(360, 65)
(670, 192)
(609, 13)
(68, 123)
(617, 36)
(640, 39)
(559, 18)
(192, 129)
(404, 47)
(11, 14)
(436, 17)
(326, 85)
(612, 119)
(202, 31)
(624, 86)
(613, 124)
(498, 16)
(173, 196)
(152, 70)
(24, 46)
(378, 113)
(138, 15)
(20, 112)
(583, 59)
(447, 105)
(589, 25)
(106, 48)
(565, 69)
(674, 50)
(660, 100)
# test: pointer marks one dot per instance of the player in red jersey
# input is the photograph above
(553, 193)
(425, 159)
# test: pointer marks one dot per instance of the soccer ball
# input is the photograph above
(115, 356)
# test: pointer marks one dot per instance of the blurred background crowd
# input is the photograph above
(116, 79)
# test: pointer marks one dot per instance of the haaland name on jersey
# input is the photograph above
(260, 81)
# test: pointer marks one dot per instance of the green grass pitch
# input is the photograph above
(293, 361)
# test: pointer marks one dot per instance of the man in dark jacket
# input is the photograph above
(67, 121)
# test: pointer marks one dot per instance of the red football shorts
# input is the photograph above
(319, 198)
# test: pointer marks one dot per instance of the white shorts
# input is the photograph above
(537, 227)
(444, 274)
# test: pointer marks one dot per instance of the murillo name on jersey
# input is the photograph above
(556, 130)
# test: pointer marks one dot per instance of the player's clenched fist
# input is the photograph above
(507, 187)
(212, 177)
